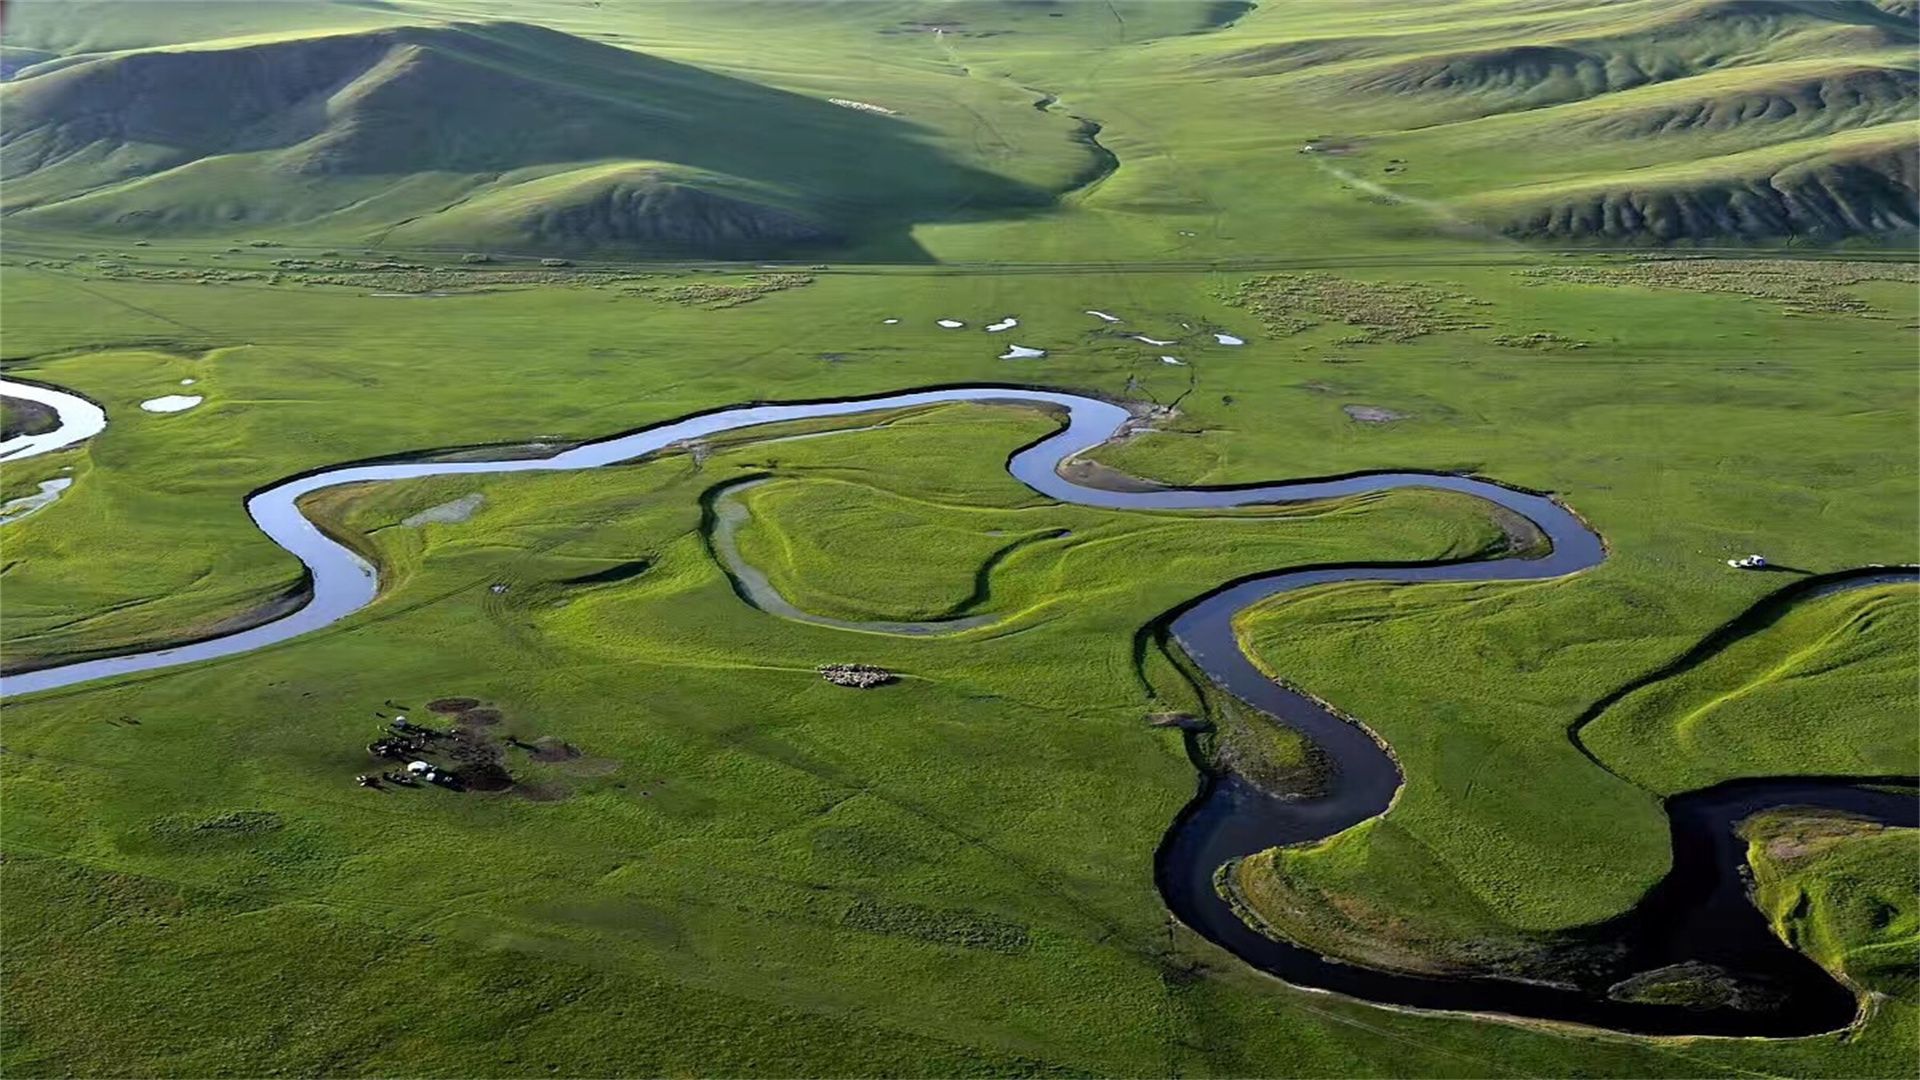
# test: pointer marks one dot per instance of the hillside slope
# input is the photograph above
(1632, 121)
(644, 206)
(349, 135)
(1859, 184)
(973, 130)
(1679, 42)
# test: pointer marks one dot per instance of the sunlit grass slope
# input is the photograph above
(1821, 688)
(1714, 122)
(1827, 688)
(1536, 121)
(1847, 893)
(497, 134)
(840, 543)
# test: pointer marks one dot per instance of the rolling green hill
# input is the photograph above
(1674, 42)
(468, 133)
(1709, 122)
(1860, 183)
(987, 129)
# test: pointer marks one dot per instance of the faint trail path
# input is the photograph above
(1440, 212)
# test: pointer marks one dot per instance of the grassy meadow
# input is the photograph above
(1750, 706)
(1472, 124)
(732, 867)
(1843, 891)
(1002, 751)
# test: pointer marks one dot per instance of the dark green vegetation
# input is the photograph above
(750, 871)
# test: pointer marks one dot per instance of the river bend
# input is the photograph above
(1685, 918)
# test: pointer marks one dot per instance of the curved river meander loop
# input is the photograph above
(1700, 912)
(79, 418)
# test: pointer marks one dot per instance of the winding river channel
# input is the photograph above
(1700, 913)
(77, 420)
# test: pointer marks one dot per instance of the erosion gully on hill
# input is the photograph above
(1699, 914)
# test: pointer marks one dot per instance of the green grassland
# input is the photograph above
(821, 540)
(1716, 121)
(1843, 891)
(725, 696)
(748, 871)
(1750, 707)
(1506, 812)
(1435, 886)
(981, 789)
(1855, 914)
(983, 828)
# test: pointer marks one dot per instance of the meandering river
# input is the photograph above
(1699, 913)
(79, 420)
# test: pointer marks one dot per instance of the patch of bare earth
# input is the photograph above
(1373, 414)
(473, 754)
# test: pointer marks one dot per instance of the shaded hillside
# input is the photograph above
(1686, 41)
(1867, 187)
(308, 131)
(14, 59)
(651, 207)
(1623, 121)
(1833, 98)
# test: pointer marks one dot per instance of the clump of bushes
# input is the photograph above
(1801, 287)
(1539, 340)
(717, 294)
(857, 676)
(1382, 310)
